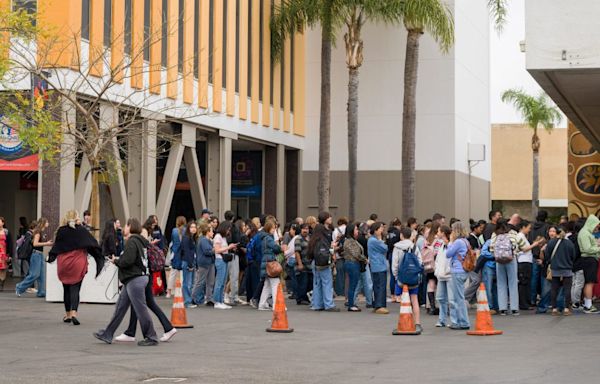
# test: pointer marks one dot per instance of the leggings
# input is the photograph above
(71, 296)
(151, 303)
(566, 284)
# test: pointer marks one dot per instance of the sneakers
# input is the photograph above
(419, 328)
(265, 308)
(168, 335)
(590, 310)
(31, 290)
(241, 302)
(210, 304)
(555, 312)
(382, 311)
(440, 325)
(516, 313)
(101, 336)
(123, 338)
(503, 312)
(253, 304)
(17, 293)
(222, 306)
(567, 312)
(147, 343)
(575, 306)
(332, 309)
(192, 306)
(493, 312)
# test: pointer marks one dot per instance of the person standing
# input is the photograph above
(354, 255)
(233, 267)
(401, 248)
(365, 283)
(490, 227)
(539, 230)
(303, 270)
(6, 250)
(559, 256)
(175, 260)
(37, 267)
(270, 250)
(590, 252)
(457, 251)
(72, 244)
(339, 234)
(188, 263)
(525, 266)
(320, 252)
(443, 293)
(393, 236)
(205, 266)
(221, 248)
(475, 242)
(109, 241)
(133, 273)
(378, 262)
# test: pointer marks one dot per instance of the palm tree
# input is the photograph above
(538, 113)
(293, 16)
(419, 16)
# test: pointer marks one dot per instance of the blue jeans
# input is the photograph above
(535, 282)
(340, 278)
(322, 289)
(292, 286)
(442, 296)
(352, 269)
(458, 307)
(508, 285)
(544, 303)
(379, 288)
(302, 279)
(365, 284)
(186, 286)
(221, 268)
(489, 280)
(37, 272)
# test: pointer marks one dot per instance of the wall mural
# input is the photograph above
(584, 175)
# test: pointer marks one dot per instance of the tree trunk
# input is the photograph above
(51, 195)
(352, 137)
(95, 205)
(409, 113)
(535, 192)
(325, 124)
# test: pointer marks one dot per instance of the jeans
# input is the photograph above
(253, 279)
(379, 288)
(458, 307)
(491, 289)
(153, 306)
(565, 282)
(536, 284)
(546, 296)
(204, 284)
(322, 289)
(506, 275)
(302, 283)
(134, 294)
(365, 284)
(37, 272)
(577, 287)
(352, 269)
(221, 268)
(186, 285)
(233, 268)
(525, 270)
(473, 287)
(443, 296)
(340, 278)
(269, 289)
(292, 286)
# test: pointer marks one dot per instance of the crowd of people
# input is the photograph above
(524, 265)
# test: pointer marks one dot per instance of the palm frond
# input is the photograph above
(498, 12)
(538, 112)
(431, 16)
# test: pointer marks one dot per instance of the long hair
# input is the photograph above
(317, 236)
(40, 226)
(188, 232)
(109, 233)
(459, 228)
(180, 222)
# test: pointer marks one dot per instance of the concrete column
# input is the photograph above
(167, 188)
(148, 203)
(134, 176)
(193, 172)
(213, 149)
(225, 176)
(83, 188)
(280, 187)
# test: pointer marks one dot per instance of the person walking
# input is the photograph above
(379, 265)
(6, 252)
(71, 247)
(204, 281)
(457, 251)
(270, 250)
(222, 249)
(559, 256)
(188, 263)
(133, 273)
(354, 255)
(590, 252)
(37, 267)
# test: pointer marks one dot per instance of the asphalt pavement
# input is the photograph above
(231, 346)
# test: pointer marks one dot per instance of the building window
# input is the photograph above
(147, 38)
(180, 37)
(85, 19)
(30, 6)
(107, 23)
(128, 27)
(164, 33)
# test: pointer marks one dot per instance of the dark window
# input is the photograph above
(210, 40)
(128, 27)
(30, 6)
(107, 23)
(196, 31)
(164, 33)
(147, 38)
(237, 45)
(180, 37)
(85, 19)
(224, 49)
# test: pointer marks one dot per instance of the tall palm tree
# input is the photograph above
(293, 16)
(538, 113)
(419, 16)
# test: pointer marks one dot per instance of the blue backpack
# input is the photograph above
(410, 270)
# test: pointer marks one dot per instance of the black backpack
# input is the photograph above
(25, 246)
(322, 254)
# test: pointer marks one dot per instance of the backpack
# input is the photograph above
(257, 248)
(25, 246)
(469, 261)
(503, 249)
(322, 254)
(156, 258)
(409, 272)
(428, 256)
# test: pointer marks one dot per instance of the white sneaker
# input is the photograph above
(125, 339)
(31, 290)
(222, 306)
(265, 308)
(226, 298)
(167, 336)
(241, 302)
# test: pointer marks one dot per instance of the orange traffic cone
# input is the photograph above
(483, 323)
(406, 324)
(280, 322)
(178, 314)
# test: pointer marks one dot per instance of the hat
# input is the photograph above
(206, 210)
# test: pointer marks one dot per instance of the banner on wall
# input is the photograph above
(14, 156)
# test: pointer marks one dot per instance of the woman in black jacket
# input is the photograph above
(559, 256)
(133, 273)
(109, 239)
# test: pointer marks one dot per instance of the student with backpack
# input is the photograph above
(320, 252)
(457, 253)
(407, 268)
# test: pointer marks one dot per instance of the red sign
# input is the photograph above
(14, 156)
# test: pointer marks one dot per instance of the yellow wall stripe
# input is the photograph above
(299, 84)
(255, 60)
(266, 70)
(188, 52)
(217, 53)
(63, 19)
(137, 44)
(155, 43)
(172, 36)
(203, 55)
(96, 50)
(231, 42)
(287, 83)
(116, 39)
(277, 89)
(243, 61)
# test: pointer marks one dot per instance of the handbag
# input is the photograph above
(274, 268)
(549, 270)
(227, 257)
(442, 265)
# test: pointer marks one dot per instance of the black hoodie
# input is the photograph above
(134, 260)
(540, 228)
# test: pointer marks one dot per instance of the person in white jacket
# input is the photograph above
(406, 244)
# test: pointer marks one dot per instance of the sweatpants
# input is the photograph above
(577, 287)
(153, 306)
(204, 284)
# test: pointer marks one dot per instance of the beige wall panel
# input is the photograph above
(299, 84)
(172, 56)
(231, 44)
(188, 52)
(217, 56)
(243, 61)
(266, 69)
(255, 60)
(287, 84)
(203, 55)
(96, 50)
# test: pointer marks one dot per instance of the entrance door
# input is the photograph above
(241, 206)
